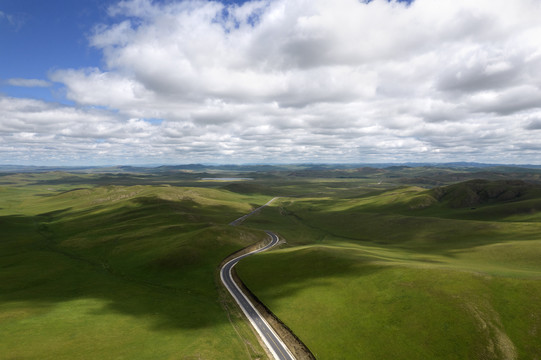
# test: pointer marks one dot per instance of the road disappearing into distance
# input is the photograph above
(272, 341)
(244, 217)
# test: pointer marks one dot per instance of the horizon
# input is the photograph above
(307, 164)
(103, 82)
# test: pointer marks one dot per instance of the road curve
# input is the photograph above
(272, 341)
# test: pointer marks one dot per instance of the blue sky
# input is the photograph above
(140, 81)
(41, 35)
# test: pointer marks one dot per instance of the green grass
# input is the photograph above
(93, 270)
(398, 274)
(120, 272)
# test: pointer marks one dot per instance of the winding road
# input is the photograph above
(272, 341)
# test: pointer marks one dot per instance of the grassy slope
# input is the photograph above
(119, 272)
(396, 274)
(129, 268)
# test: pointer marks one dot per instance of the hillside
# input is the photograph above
(440, 281)
(120, 272)
(483, 192)
(446, 272)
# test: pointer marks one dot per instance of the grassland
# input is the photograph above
(402, 274)
(113, 272)
(376, 265)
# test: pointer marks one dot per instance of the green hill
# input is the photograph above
(405, 273)
(120, 272)
(482, 192)
(368, 269)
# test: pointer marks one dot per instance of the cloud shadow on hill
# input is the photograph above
(153, 258)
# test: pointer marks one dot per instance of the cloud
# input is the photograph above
(50, 132)
(309, 80)
(511, 100)
(93, 87)
(15, 22)
(534, 124)
(28, 82)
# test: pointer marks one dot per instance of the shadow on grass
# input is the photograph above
(370, 226)
(313, 266)
(154, 259)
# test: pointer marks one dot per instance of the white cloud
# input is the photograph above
(28, 82)
(36, 129)
(307, 80)
(93, 87)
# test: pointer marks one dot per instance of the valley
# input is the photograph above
(391, 262)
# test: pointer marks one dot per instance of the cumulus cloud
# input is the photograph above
(33, 129)
(309, 80)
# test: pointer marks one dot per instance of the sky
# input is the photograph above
(109, 82)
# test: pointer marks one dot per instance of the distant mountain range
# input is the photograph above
(252, 167)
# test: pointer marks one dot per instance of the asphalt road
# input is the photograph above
(273, 342)
(242, 218)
